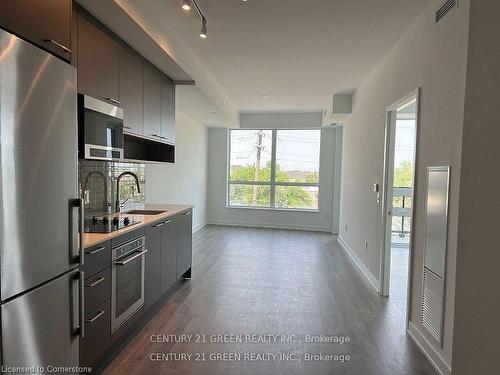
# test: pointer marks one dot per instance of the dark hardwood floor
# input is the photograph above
(266, 281)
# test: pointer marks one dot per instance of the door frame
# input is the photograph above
(385, 258)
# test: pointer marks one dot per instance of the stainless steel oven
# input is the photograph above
(100, 129)
(127, 280)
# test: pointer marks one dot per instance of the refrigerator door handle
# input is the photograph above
(77, 230)
(78, 329)
(81, 304)
(81, 234)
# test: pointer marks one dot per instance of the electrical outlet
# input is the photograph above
(346, 227)
(366, 245)
(86, 196)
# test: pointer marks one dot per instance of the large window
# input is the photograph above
(274, 168)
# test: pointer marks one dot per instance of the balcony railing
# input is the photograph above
(402, 207)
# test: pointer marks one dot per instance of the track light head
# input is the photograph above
(186, 5)
(203, 32)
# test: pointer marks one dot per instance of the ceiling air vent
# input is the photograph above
(445, 9)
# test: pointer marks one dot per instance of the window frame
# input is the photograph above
(272, 183)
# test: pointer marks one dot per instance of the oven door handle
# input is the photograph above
(130, 259)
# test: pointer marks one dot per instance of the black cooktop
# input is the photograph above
(106, 224)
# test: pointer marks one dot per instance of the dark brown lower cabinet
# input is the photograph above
(161, 260)
(169, 254)
(97, 334)
(97, 289)
(169, 257)
(185, 243)
(152, 277)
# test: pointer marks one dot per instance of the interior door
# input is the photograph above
(39, 328)
(388, 199)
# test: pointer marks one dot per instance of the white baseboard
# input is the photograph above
(273, 226)
(359, 263)
(428, 349)
(199, 227)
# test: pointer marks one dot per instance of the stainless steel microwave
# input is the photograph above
(100, 129)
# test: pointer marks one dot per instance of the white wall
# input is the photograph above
(218, 213)
(434, 57)
(477, 304)
(185, 181)
(281, 120)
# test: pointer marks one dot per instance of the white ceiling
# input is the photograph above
(194, 103)
(295, 51)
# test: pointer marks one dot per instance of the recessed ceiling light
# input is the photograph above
(186, 5)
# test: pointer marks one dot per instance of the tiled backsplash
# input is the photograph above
(99, 179)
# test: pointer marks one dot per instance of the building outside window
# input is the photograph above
(276, 168)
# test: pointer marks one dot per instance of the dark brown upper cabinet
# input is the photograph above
(46, 23)
(98, 62)
(131, 90)
(152, 101)
(167, 126)
(109, 69)
(74, 36)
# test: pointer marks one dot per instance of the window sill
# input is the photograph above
(314, 211)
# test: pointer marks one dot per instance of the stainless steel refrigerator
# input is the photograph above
(40, 215)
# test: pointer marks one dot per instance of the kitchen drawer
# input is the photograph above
(127, 326)
(97, 289)
(97, 334)
(127, 237)
(97, 258)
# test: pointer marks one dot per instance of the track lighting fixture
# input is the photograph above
(186, 5)
(203, 32)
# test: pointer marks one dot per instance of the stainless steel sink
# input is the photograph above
(145, 212)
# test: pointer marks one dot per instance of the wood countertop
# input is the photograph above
(91, 239)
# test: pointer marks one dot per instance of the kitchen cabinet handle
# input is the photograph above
(158, 225)
(137, 255)
(167, 222)
(159, 136)
(187, 213)
(59, 45)
(98, 315)
(127, 127)
(112, 100)
(92, 252)
(81, 305)
(97, 282)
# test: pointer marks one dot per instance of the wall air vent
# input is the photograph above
(432, 304)
(445, 9)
